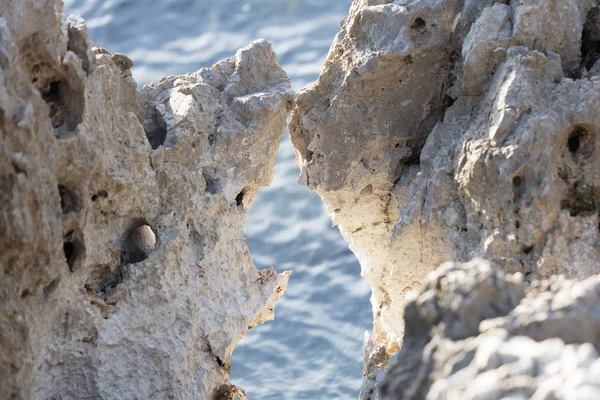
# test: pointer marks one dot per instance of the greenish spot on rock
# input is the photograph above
(582, 201)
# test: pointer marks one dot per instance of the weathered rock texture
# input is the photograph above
(473, 332)
(451, 129)
(124, 272)
(444, 130)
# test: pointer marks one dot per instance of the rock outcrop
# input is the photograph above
(446, 130)
(124, 271)
(439, 130)
(473, 332)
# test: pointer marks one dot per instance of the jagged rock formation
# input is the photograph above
(451, 129)
(124, 272)
(473, 332)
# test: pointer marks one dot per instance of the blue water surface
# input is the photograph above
(312, 350)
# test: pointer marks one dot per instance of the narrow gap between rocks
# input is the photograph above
(321, 319)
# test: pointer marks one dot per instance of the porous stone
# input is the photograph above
(124, 272)
(446, 130)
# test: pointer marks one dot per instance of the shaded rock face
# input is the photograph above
(452, 129)
(474, 332)
(124, 272)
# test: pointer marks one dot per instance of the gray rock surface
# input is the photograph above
(474, 332)
(124, 272)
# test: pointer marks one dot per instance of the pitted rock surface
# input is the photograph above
(446, 130)
(124, 271)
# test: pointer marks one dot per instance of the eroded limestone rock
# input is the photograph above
(446, 130)
(474, 332)
(124, 272)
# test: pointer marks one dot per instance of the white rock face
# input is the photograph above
(446, 130)
(124, 272)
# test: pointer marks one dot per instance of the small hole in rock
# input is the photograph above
(212, 139)
(418, 24)
(70, 254)
(519, 189)
(51, 287)
(590, 40)
(100, 195)
(68, 200)
(18, 169)
(413, 160)
(156, 129)
(563, 174)
(367, 190)
(517, 224)
(575, 139)
(25, 293)
(239, 199)
(73, 249)
(59, 86)
(416, 147)
(448, 101)
(517, 181)
(138, 245)
(52, 95)
(69, 250)
(527, 249)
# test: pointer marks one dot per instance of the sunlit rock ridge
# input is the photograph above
(453, 130)
(124, 271)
